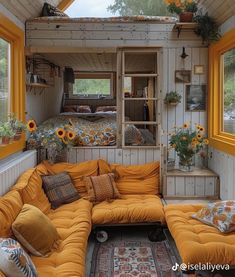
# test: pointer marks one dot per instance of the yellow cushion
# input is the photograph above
(35, 231)
(10, 206)
(134, 179)
(196, 241)
(29, 186)
(129, 209)
(73, 223)
(76, 172)
(101, 188)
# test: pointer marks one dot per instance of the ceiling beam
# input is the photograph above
(64, 4)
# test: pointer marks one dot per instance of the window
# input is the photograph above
(228, 61)
(92, 85)
(4, 79)
(222, 94)
(12, 79)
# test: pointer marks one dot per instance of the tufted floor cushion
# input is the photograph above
(73, 223)
(197, 242)
(129, 209)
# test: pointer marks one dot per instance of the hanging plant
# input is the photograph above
(207, 28)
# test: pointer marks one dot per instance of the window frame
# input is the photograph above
(15, 36)
(217, 137)
(95, 75)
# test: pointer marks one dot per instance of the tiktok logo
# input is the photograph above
(175, 267)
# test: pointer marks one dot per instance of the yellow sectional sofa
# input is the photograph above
(198, 242)
(74, 221)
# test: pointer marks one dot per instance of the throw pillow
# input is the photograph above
(84, 109)
(35, 231)
(59, 189)
(101, 188)
(14, 261)
(220, 215)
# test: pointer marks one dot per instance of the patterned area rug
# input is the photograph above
(129, 259)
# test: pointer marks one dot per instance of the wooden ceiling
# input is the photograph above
(27, 9)
(221, 10)
(102, 61)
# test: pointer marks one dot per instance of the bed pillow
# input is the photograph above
(101, 188)
(84, 109)
(49, 10)
(35, 231)
(70, 109)
(221, 215)
(59, 189)
(106, 109)
(14, 261)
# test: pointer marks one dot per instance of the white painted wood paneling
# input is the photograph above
(11, 169)
(114, 155)
(224, 165)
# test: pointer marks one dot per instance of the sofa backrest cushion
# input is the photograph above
(29, 185)
(134, 179)
(10, 206)
(76, 172)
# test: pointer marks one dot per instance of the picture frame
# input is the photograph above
(183, 76)
(195, 98)
(199, 69)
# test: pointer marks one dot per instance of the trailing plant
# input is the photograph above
(6, 130)
(207, 28)
(180, 6)
(172, 97)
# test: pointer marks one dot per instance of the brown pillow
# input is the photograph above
(59, 189)
(101, 188)
(84, 109)
(70, 108)
(35, 231)
(106, 109)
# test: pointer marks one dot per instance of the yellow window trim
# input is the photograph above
(219, 139)
(64, 4)
(15, 36)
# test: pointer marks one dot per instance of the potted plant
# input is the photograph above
(184, 8)
(17, 126)
(187, 142)
(207, 28)
(172, 98)
(7, 132)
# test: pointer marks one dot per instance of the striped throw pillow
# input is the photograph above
(101, 188)
(14, 261)
(59, 189)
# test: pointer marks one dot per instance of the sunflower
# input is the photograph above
(31, 126)
(198, 127)
(194, 139)
(70, 135)
(60, 132)
(185, 125)
(199, 136)
(206, 141)
(202, 129)
(173, 145)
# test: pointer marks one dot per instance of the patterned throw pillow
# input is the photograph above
(106, 109)
(59, 189)
(220, 215)
(101, 188)
(14, 262)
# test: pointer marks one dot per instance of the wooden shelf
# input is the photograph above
(38, 85)
(196, 172)
(140, 122)
(140, 98)
(140, 75)
(179, 26)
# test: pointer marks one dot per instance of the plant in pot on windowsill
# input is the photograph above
(17, 126)
(188, 142)
(172, 98)
(6, 133)
(184, 8)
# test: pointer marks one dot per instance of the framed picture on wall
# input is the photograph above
(183, 76)
(195, 98)
(199, 69)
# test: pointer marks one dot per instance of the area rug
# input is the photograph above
(133, 259)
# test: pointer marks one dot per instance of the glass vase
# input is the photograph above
(186, 164)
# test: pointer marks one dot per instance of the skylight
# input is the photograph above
(90, 8)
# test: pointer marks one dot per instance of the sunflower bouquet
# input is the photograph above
(52, 140)
(188, 142)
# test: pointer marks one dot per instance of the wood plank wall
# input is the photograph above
(45, 35)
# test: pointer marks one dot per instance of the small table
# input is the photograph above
(197, 184)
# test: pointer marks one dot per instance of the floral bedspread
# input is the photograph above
(97, 130)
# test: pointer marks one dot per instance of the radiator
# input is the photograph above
(11, 169)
